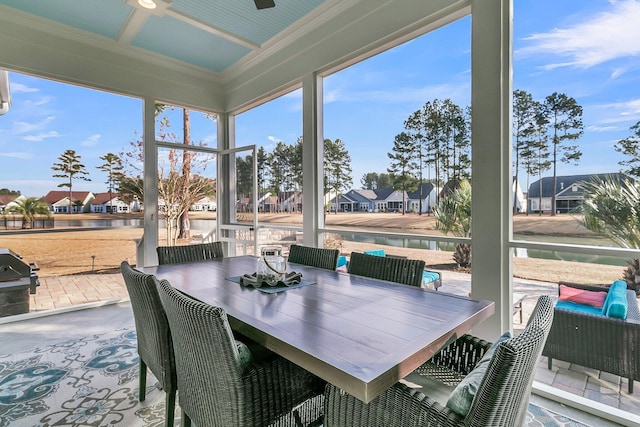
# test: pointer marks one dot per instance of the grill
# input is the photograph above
(18, 279)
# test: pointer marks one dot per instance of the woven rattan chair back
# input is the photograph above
(214, 388)
(503, 396)
(399, 270)
(314, 257)
(154, 338)
(189, 253)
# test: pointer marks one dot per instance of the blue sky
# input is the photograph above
(589, 50)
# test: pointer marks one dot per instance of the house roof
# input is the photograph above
(564, 186)
(383, 193)
(102, 198)
(55, 196)
(363, 194)
(426, 187)
(5, 199)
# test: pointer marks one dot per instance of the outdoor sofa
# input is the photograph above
(589, 337)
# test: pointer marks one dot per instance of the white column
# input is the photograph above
(226, 194)
(491, 160)
(312, 160)
(150, 242)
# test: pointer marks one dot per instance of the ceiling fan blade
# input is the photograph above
(264, 4)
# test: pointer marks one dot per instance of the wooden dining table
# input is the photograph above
(358, 333)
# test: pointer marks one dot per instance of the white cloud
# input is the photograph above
(626, 109)
(601, 128)
(31, 103)
(24, 127)
(91, 141)
(17, 155)
(599, 38)
(331, 96)
(273, 139)
(41, 136)
(617, 112)
(22, 88)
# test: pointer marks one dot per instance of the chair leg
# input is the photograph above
(630, 385)
(170, 406)
(186, 421)
(143, 380)
(549, 362)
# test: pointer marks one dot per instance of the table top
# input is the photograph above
(358, 333)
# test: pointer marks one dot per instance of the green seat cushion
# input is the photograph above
(244, 356)
(462, 396)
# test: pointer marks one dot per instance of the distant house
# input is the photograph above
(426, 192)
(569, 192)
(355, 201)
(289, 201)
(58, 201)
(265, 202)
(205, 204)
(103, 203)
(7, 200)
(378, 200)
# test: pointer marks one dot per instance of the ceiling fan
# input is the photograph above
(264, 4)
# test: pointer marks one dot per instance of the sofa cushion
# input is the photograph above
(616, 302)
(582, 308)
(462, 396)
(375, 252)
(581, 296)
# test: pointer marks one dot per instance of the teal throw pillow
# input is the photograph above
(617, 300)
(462, 396)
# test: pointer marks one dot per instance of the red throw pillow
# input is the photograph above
(580, 296)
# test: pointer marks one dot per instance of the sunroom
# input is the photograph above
(230, 58)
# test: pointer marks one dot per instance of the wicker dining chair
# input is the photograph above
(189, 253)
(314, 257)
(501, 399)
(399, 270)
(155, 348)
(217, 388)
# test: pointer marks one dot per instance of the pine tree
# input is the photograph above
(524, 113)
(402, 165)
(70, 168)
(113, 167)
(630, 147)
(565, 119)
(337, 168)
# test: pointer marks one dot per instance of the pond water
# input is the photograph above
(206, 225)
(520, 252)
(196, 224)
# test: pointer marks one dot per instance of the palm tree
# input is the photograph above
(611, 207)
(453, 216)
(29, 208)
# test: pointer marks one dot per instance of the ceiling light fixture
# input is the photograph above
(147, 4)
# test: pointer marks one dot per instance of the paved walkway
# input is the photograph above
(602, 387)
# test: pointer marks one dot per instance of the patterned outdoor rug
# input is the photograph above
(93, 381)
